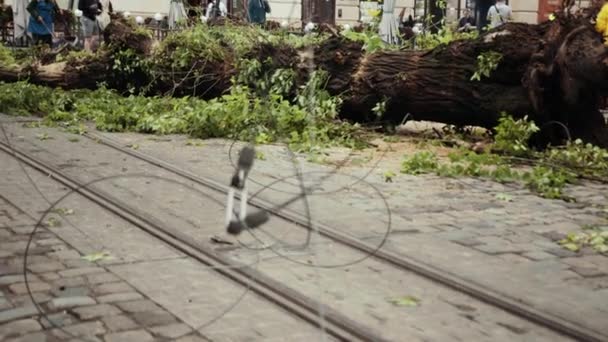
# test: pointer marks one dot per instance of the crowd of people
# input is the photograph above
(95, 15)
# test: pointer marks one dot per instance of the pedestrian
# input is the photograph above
(216, 9)
(258, 10)
(43, 14)
(104, 18)
(466, 22)
(90, 25)
(499, 14)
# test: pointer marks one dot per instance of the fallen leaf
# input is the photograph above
(601, 248)
(571, 247)
(64, 211)
(504, 197)
(53, 222)
(409, 301)
(97, 256)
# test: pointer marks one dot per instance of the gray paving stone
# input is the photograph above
(69, 282)
(129, 336)
(192, 338)
(120, 297)
(106, 277)
(82, 329)
(139, 306)
(33, 337)
(88, 312)
(78, 263)
(561, 252)
(538, 255)
(65, 255)
(49, 276)
(22, 288)
(86, 339)
(553, 235)
(20, 327)
(494, 249)
(17, 246)
(117, 323)
(81, 271)
(468, 242)
(5, 304)
(70, 302)
(109, 288)
(57, 320)
(588, 272)
(71, 291)
(26, 300)
(17, 313)
(49, 242)
(172, 330)
(11, 279)
(45, 267)
(153, 318)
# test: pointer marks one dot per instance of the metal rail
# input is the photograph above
(446, 278)
(334, 323)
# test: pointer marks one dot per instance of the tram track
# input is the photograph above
(405, 263)
(336, 324)
(332, 322)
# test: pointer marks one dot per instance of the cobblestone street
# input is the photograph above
(96, 277)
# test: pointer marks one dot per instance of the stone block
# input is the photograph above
(70, 302)
(128, 336)
(88, 312)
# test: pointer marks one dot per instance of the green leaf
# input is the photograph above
(94, 257)
(504, 197)
(53, 222)
(571, 247)
(409, 301)
(601, 248)
(64, 211)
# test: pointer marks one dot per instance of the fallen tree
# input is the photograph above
(555, 73)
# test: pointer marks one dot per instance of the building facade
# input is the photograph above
(352, 11)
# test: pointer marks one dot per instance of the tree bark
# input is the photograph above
(555, 73)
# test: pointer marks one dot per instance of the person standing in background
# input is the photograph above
(104, 17)
(258, 10)
(43, 14)
(466, 22)
(499, 14)
(90, 26)
(216, 10)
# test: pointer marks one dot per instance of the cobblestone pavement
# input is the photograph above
(506, 246)
(455, 224)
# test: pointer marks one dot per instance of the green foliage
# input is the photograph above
(76, 57)
(372, 42)
(419, 163)
(486, 63)
(594, 237)
(548, 182)
(130, 71)
(181, 49)
(512, 135)
(241, 114)
(6, 56)
(388, 176)
(444, 36)
(577, 156)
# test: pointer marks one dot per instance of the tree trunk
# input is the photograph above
(555, 73)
